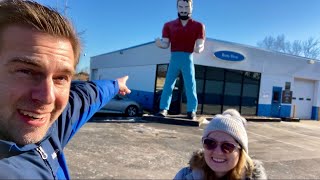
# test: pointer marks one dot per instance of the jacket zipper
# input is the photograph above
(44, 157)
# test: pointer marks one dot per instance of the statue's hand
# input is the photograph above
(158, 42)
(162, 43)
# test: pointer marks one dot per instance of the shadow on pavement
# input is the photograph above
(114, 118)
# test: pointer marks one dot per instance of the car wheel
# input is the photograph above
(131, 111)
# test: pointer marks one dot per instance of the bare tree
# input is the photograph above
(296, 48)
(64, 8)
(309, 48)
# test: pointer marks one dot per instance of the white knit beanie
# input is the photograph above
(232, 123)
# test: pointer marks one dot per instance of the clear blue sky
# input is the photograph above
(110, 25)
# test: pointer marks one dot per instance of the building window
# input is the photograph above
(218, 89)
(176, 94)
(161, 76)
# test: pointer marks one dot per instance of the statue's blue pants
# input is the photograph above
(180, 62)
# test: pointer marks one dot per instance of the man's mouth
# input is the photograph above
(32, 115)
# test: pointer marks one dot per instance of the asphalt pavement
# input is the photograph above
(132, 148)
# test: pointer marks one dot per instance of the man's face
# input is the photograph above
(184, 9)
(35, 77)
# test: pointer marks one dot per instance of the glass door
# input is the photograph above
(232, 90)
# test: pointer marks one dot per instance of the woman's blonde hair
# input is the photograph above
(243, 168)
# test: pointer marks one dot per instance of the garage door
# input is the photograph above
(303, 98)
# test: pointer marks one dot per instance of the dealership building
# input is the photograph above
(228, 75)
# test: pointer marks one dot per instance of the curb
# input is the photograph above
(262, 119)
(288, 119)
(175, 120)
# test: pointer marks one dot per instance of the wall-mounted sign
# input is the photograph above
(287, 85)
(229, 56)
(286, 97)
(265, 95)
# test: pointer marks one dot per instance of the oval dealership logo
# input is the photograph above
(229, 56)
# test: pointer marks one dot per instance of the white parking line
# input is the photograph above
(288, 132)
(284, 142)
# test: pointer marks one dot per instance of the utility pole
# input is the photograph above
(65, 7)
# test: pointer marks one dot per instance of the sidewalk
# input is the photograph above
(181, 119)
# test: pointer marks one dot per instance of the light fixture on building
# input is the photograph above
(311, 61)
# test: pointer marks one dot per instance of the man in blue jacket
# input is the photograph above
(40, 108)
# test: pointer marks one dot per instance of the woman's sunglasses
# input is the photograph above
(226, 147)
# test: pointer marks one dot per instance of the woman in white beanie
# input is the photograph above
(225, 152)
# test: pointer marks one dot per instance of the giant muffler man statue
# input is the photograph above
(185, 36)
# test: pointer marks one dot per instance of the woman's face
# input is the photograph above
(219, 161)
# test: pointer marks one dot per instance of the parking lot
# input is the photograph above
(119, 148)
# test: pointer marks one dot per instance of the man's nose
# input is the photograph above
(44, 91)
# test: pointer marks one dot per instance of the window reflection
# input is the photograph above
(219, 89)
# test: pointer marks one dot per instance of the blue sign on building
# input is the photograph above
(229, 56)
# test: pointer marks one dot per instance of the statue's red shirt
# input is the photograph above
(183, 38)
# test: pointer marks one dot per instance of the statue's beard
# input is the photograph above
(184, 17)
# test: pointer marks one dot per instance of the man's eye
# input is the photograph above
(24, 71)
(61, 79)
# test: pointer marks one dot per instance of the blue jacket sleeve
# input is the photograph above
(86, 98)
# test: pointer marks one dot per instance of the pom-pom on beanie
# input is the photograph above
(232, 123)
